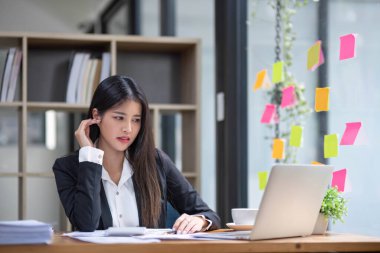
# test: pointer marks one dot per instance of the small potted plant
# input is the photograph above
(333, 207)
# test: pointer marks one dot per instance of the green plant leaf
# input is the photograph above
(334, 205)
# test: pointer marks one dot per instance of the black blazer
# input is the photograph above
(83, 197)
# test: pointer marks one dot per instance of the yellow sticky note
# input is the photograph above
(313, 55)
(331, 145)
(296, 136)
(322, 99)
(260, 76)
(263, 179)
(316, 163)
(278, 151)
(278, 72)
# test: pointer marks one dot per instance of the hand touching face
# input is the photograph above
(82, 134)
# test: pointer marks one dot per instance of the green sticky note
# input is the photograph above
(263, 178)
(278, 72)
(331, 145)
(296, 136)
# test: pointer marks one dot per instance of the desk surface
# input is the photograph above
(320, 243)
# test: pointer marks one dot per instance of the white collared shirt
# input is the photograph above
(121, 198)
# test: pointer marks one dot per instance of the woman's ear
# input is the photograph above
(95, 114)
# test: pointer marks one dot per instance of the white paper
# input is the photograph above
(125, 231)
(25, 232)
(150, 236)
(96, 233)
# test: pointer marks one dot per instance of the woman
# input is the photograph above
(118, 178)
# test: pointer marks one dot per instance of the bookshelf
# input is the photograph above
(166, 68)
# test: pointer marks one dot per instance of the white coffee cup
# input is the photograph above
(244, 216)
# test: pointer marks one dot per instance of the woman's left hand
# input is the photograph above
(187, 224)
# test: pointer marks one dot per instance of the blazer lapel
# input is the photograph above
(138, 202)
(106, 213)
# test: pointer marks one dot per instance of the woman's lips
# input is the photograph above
(124, 139)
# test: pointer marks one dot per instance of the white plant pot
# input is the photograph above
(321, 225)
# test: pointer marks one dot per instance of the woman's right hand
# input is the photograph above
(82, 134)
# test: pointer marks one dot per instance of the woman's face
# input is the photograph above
(120, 126)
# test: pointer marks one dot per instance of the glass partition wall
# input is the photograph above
(354, 97)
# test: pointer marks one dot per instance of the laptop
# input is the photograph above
(290, 204)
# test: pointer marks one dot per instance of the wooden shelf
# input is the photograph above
(167, 69)
(173, 107)
(10, 104)
(59, 106)
(10, 174)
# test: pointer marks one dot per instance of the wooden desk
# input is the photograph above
(326, 243)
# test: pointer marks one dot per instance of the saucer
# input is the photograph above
(239, 227)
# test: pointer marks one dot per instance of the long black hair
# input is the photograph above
(111, 92)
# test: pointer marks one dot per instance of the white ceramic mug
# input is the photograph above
(244, 216)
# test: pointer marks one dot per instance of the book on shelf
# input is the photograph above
(25, 232)
(86, 81)
(85, 72)
(106, 66)
(3, 60)
(75, 65)
(14, 76)
(93, 79)
(7, 74)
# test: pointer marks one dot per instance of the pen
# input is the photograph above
(171, 232)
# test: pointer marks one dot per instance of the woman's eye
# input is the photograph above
(136, 120)
(118, 118)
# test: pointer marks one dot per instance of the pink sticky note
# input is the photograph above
(268, 115)
(347, 46)
(321, 57)
(288, 97)
(349, 136)
(339, 179)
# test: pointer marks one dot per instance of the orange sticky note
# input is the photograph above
(347, 46)
(269, 114)
(349, 136)
(322, 99)
(315, 56)
(331, 145)
(288, 97)
(262, 80)
(278, 151)
(263, 178)
(339, 179)
(316, 163)
(278, 72)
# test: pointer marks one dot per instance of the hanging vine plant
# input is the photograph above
(296, 114)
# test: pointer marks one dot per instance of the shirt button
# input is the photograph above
(120, 216)
(100, 156)
(117, 193)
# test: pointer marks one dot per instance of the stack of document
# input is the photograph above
(25, 232)
(129, 235)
